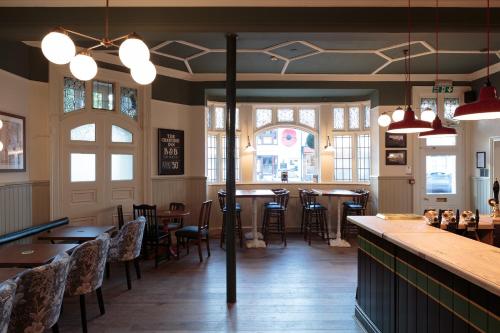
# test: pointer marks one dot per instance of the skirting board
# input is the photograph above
(364, 321)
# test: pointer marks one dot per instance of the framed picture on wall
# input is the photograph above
(170, 152)
(395, 157)
(481, 159)
(12, 143)
(393, 140)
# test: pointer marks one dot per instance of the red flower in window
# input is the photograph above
(289, 137)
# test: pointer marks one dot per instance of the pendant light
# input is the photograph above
(384, 120)
(59, 49)
(398, 114)
(488, 104)
(409, 123)
(438, 130)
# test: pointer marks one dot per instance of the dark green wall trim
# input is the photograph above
(23, 60)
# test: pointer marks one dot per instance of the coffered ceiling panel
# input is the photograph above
(336, 63)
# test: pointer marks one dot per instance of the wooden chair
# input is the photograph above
(315, 217)
(121, 220)
(221, 195)
(355, 207)
(197, 233)
(274, 217)
(154, 233)
(177, 223)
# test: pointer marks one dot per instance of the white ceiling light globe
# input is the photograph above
(1, 146)
(398, 114)
(384, 120)
(1, 124)
(83, 67)
(58, 48)
(144, 73)
(133, 51)
(428, 115)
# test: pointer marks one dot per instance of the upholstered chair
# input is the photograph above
(126, 246)
(39, 296)
(7, 292)
(86, 272)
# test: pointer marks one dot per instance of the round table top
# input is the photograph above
(173, 214)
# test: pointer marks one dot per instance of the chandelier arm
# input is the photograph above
(118, 39)
(82, 35)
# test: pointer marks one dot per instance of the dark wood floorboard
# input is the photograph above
(293, 289)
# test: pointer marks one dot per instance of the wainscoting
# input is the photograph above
(190, 190)
(23, 205)
(394, 194)
(294, 211)
(481, 194)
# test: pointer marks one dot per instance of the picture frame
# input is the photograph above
(480, 159)
(395, 157)
(12, 143)
(170, 152)
(395, 140)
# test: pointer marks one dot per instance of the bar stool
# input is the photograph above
(274, 217)
(222, 203)
(355, 207)
(315, 217)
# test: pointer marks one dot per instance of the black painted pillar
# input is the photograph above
(230, 166)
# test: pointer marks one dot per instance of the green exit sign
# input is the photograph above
(443, 87)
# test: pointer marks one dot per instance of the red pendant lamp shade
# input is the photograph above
(409, 124)
(438, 130)
(486, 107)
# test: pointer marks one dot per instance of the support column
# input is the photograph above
(230, 166)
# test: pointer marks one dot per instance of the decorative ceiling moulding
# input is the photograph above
(240, 3)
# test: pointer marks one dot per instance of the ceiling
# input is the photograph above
(325, 53)
(245, 3)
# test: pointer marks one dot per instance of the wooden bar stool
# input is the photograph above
(315, 217)
(274, 216)
(237, 228)
(355, 207)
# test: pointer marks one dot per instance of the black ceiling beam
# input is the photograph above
(154, 23)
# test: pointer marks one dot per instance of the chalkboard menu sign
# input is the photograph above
(170, 152)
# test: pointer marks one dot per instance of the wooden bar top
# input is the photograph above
(472, 260)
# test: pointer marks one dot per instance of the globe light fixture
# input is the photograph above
(398, 114)
(428, 115)
(1, 124)
(144, 73)
(83, 67)
(57, 47)
(1, 145)
(384, 120)
(133, 51)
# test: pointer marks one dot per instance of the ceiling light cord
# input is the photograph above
(409, 54)
(437, 57)
(106, 21)
(488, 31)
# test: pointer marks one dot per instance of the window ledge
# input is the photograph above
(295, 183)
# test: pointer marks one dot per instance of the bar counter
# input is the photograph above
(413, 277)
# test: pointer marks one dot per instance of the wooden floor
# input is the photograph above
(293, 289)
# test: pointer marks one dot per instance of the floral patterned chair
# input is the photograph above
(7, 292)
(39, 296)
(126, 246)
(86, 272)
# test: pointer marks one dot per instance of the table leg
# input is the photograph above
(330, 212)
(338, 241)
(255, 240)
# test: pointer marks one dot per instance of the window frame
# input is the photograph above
(346, 106)
(296, 116)
(219, 157)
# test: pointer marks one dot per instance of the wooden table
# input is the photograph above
(9, 273)
(170, 215)
(31, 255)
(338, 241)
(76, 233)
(253, 237)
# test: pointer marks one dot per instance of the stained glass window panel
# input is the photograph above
(263, 117)
(120, 135)
(354, 117)
(103, 95)
(128, 102)
(338, 118)
(219, 117)
(83, 133)
(74, 94)
(450, 104)
(285, 115)
(209, 118)
(307, 117)
(367, 116)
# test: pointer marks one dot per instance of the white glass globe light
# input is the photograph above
(133, 52)
(144, 73)
(1, 124)
(58, 48)
(1, 146)
(428, 115)
(398, 114)
(83, 67)
(384, 120)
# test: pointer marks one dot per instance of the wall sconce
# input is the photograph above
(249, 148)
(328, 147)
